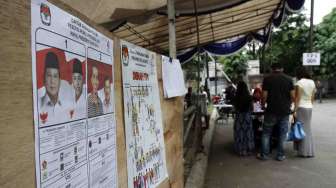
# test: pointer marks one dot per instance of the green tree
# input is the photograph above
(191, 67)
(325, 43)
(235, 65)
(288, 43)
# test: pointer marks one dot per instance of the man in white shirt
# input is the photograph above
(54, 105)
(107, 101)
(79, 95)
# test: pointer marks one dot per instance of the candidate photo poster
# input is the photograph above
(101, 122)
(100, 99)
(146, 160)
(72, 149)
(61, 85)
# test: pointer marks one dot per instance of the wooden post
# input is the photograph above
(171, 28)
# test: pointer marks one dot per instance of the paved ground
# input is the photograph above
(227, 170)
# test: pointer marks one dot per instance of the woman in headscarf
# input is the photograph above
(243, 131)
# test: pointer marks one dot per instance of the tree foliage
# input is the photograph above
(325, 43)
(286, 46)
(191, 67)
(291, 40)
(235, 65)
(288, 43)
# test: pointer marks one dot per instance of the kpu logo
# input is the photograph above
(45, 14)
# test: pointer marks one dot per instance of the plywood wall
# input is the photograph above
(16, 104)
(16, 107)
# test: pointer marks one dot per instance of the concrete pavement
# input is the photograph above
(227, 170)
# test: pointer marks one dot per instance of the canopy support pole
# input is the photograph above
(207, 81)
(171, 28)
(311, 33)
(311, 27)
(262, 64)
(207, 68)
(198, 48)
(216, 78)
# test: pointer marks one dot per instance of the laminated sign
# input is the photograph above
(73, 90)
(311, 59)
(146, 161)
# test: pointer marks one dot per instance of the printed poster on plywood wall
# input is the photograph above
(146, 160)
(73, 87)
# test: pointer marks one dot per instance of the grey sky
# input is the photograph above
(321, 8)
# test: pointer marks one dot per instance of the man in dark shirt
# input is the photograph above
(229, 93)
(319, 88)
(189, 97)
(278, 94)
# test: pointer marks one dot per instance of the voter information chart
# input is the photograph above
(146, 163)
(73, 90)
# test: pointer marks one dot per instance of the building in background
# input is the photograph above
(215, 87)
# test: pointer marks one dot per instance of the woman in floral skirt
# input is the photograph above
(243, 130)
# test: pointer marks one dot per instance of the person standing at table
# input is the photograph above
(257, 100)
(189, 98)
(257, 117)
(278, 93)
(243, 130)
(304, 98)
(229, 93)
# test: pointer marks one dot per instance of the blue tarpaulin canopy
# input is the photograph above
(231, 46)
(224, 48)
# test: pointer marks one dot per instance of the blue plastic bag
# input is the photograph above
(296, 132)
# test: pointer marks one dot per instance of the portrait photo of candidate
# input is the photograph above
(95, 105)
(52, 78)
(107, 100)
(78, 83)
(54, 103)
(124, 55)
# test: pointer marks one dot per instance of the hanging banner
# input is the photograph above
(146, 162)
(73, 90)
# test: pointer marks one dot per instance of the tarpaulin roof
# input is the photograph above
(103, 11)
(145, 22)
(214, 26)
(232, 45)
(226, 47)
